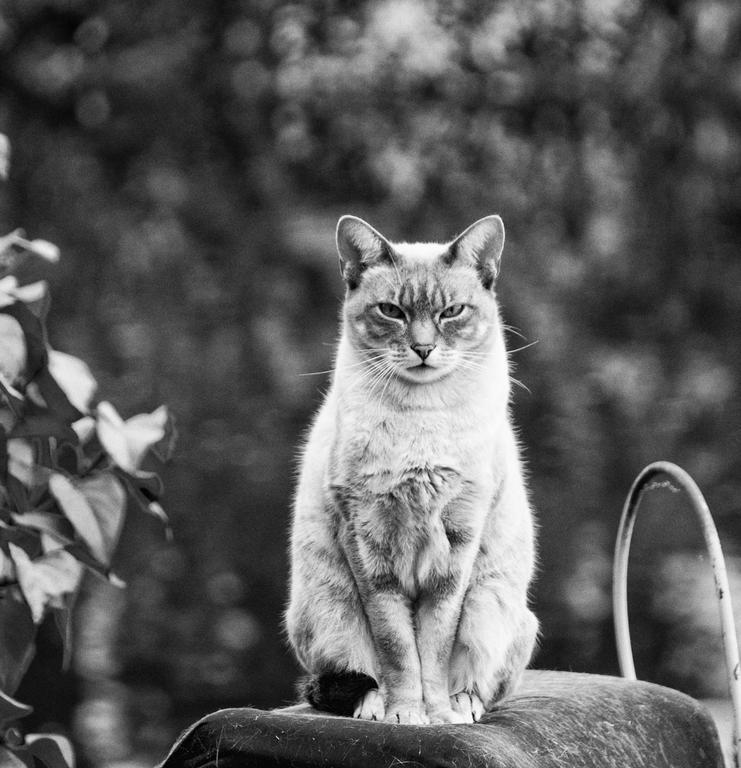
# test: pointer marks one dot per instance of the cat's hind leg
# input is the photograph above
(495, 640)
(370, 706)
(328, 629)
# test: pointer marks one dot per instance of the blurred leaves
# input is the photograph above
(62, 507)
(39, 502)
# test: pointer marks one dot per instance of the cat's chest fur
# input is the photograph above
(427, 447)
(411, 485)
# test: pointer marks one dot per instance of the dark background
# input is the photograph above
(191, 160)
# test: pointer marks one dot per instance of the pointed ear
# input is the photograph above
(481, 245)
(359, 247)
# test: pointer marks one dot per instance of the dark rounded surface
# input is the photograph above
(555, 720)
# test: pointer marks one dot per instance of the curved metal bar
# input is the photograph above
(645, 481)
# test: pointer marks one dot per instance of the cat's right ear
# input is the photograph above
(481, 245)
(359, 246)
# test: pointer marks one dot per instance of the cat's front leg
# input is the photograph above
(390, 618)
(437, 617)
(370, 706)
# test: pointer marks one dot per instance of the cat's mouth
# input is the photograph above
(422, 372)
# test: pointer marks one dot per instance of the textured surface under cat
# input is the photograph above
(412, 539)
(555, 720)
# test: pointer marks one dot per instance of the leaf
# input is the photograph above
(107, 499)
(3, 461)
(111, 430)
(4, 156)
(21, 460)
(43, 248)
(76, 507)
(68, 459)
(140, 493)
(83, 556)
(11, 710)
(149, 483)
(22, 464)
(32, 293)
(17, 493)
(74, 378)
(45, 393)
(13, 353)
(9, 759)
(126, 442)
(95, 506)
(17, 640)
(53, 750)
(7, 569)
(34, 334)
(14, 400)
(46, 581)
(63, 621)
(84, 428)
(42, 423)
(9, 283)
(21, 537)
(165, 448)
(56, 526)
(155, 508)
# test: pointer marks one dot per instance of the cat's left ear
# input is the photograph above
(481, 245)
(360, 246)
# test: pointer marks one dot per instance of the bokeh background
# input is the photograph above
(191, 160)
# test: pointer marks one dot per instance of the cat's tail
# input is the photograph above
(335, 692)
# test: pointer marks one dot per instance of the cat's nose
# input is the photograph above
(423, 350)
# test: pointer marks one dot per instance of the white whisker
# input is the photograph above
(368, 377)
(515, 331)
(389, 376)
(525, 346)
(518, 383)
(470, 365)
(368, 360)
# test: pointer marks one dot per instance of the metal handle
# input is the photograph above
(712, 542)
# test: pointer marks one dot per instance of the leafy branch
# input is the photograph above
(69, 468)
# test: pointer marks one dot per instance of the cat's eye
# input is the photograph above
(452, 311)
(391, 310)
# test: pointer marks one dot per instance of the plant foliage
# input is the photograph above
(69, 466)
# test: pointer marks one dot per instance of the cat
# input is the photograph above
(412, 539)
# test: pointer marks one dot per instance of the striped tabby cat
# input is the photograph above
(412, 536)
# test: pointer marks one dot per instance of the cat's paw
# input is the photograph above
(370, 706)
(404, 713)
(448, 716)
(468, 705)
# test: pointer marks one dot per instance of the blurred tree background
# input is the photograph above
(191, 160)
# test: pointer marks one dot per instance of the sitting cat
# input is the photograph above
(412, 536)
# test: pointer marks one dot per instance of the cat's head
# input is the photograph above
(421, 310)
